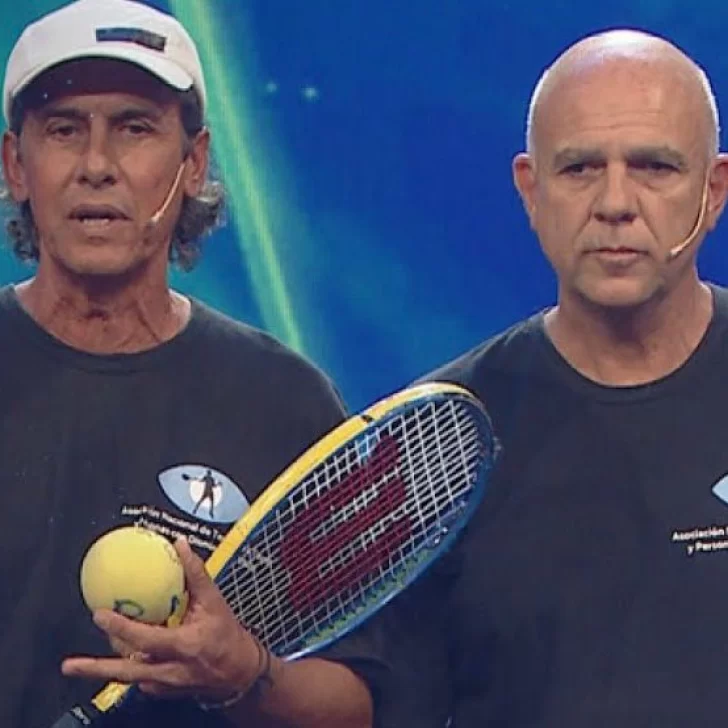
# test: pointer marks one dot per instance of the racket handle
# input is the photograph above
(110, 697)
(103, 702)
(78, 717)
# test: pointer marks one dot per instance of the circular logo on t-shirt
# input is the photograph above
(204, 493)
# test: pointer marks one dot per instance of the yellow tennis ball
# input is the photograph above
(135, 572)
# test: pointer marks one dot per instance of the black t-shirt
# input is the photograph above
(91, 442)
(591, 589)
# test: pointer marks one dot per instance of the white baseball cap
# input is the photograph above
(123, 29)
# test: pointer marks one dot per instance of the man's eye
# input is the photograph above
(655, 166)
(136, 128)
(62, 131)
(578, 169)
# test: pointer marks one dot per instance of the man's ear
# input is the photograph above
(197, 163)
(13, 169)
(717, 190)
(524, 178)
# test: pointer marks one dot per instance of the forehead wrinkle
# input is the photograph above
(607, 103)
(111, 105)
(114, 108)
(649, 65)
(630, 152)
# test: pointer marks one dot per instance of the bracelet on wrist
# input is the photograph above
(262, 679)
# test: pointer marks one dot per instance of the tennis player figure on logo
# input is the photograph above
(205, 490)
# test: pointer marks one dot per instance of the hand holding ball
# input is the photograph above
(135, 572)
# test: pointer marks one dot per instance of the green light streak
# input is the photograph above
(232, 138)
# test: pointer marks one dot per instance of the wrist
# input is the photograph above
(261, 681)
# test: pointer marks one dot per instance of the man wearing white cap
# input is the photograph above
(117, 393)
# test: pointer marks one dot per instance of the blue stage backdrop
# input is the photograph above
(366, 147)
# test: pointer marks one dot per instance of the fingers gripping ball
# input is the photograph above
(135, 572)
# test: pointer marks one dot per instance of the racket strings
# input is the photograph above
(350, 551)
(356, 524)
(263, 602)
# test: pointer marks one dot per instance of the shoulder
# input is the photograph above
(218, 329)
(239, 340)
(717, 334)
(8, 302)
(267, 364)
(720, 299)
(13, 318)
(509, 354)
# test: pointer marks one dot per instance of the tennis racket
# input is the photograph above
(347, 526)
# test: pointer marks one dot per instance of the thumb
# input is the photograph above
(199, 585)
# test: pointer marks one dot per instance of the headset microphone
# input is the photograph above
(159, 214)
(678, 249)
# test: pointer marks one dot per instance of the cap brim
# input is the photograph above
(166, 71)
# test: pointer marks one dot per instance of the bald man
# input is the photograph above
(591, 590)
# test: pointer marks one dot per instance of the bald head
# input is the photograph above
(631, 54)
